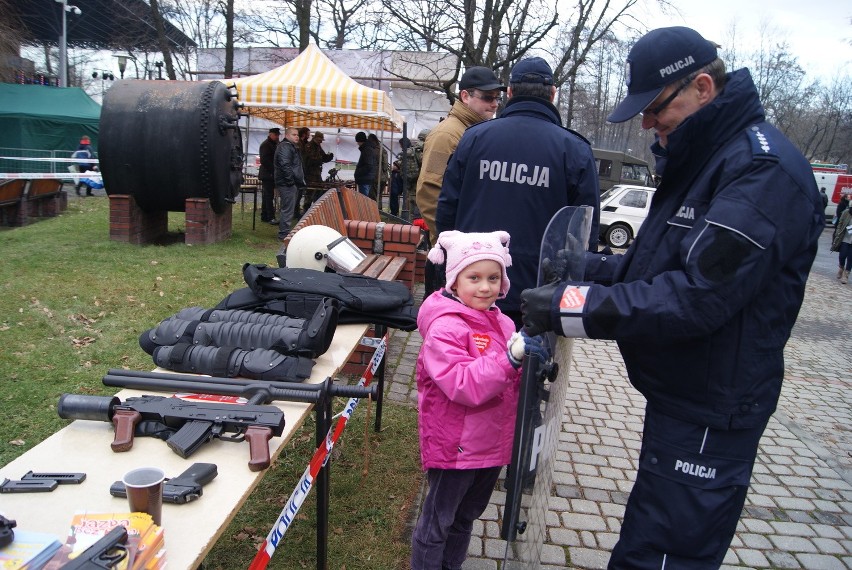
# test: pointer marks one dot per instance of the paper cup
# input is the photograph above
(145, 491)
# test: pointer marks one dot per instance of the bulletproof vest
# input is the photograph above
(296, 292)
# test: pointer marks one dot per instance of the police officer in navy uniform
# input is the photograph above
(703, 301)
(515, 172)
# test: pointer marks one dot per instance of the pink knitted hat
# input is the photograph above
(458, 250)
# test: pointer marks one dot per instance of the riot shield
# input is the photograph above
(540, 405)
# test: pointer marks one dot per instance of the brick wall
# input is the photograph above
(130, 224)
(203, 225)
(398, 240)
(47, 206)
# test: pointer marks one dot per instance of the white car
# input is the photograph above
(623, 209)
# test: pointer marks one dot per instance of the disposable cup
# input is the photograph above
(145, 491)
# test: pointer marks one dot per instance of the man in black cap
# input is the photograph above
(703, 302)
(479, 96)
(515, 172)
(266, 174)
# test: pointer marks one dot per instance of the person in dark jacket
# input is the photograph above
(84, 151)
(314, 157)
(289, 178)
(266, 174)
(491, 184)
(367, 169)
(703, 301)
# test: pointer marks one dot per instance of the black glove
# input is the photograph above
(537, 306)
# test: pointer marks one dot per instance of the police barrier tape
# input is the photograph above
(319, 459)
(37, 159)
(92, 175)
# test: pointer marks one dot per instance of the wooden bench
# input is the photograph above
(357, 217)
(12, 211)
(46, 198)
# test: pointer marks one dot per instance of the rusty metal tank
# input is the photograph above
(165, 141)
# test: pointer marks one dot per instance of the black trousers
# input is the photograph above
(689, 492)
(267, 200)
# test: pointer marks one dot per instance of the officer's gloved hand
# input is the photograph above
(536, 307)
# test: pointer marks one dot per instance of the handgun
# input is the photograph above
(182, 489)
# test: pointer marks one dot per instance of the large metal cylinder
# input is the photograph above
(165, 141)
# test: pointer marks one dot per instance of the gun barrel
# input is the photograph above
(81, 407)
(257, 391)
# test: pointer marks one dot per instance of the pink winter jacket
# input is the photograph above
(467, 391)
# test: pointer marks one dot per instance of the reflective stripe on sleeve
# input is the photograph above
(571, 307)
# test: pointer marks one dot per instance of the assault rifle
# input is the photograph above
(185, 426)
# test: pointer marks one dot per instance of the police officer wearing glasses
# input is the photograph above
(703, 301)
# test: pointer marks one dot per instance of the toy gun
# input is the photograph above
(185, 426)
(182, 489)
(105, 553)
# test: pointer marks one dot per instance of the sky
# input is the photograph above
(819, 32)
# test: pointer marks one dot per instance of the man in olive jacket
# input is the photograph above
(479, 96)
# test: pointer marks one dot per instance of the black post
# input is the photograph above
(381, 330)
(406, 213)
(323, 411)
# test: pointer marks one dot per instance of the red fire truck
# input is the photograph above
(836, 180)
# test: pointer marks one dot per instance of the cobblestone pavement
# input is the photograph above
(799, 509)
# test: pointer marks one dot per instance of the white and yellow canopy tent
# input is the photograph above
(312, 91)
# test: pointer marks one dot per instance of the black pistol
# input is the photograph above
(105, 553)
(182, 489)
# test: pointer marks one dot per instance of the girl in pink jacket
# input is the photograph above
(467, 392)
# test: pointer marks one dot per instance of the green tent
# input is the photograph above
(35, 118)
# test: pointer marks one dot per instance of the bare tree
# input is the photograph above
(493, 33)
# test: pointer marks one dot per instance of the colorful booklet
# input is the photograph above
(87, 528)
(28, 551)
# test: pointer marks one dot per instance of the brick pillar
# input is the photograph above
(203, 225)
(130, 224)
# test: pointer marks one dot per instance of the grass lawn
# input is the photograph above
(72, 305)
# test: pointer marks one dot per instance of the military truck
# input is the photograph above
(616, 167)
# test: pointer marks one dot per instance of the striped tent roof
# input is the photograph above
(312, 91)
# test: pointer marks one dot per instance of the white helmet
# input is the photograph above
(309, 249)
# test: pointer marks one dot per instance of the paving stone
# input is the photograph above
(820, 562)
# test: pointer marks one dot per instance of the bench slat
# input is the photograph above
(393, 269)
(378, 266)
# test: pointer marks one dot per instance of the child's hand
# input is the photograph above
(521, 343)
(515, 349)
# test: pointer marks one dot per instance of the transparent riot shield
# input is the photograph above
(540, 405)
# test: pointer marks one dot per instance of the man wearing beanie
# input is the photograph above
(467, 393)
(515, 172)
(702, 303)
(479, 95)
